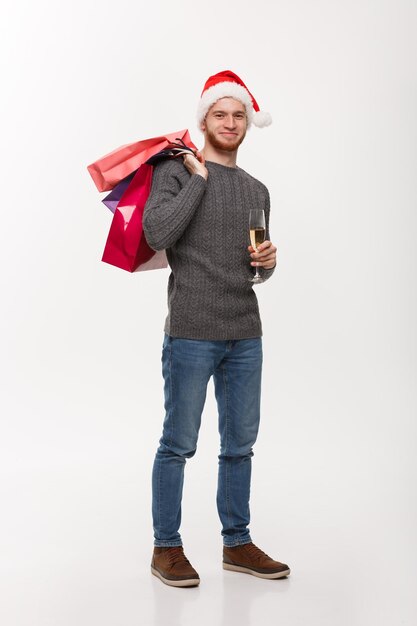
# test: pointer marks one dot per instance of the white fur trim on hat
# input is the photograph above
(225, 89)
(262, 119)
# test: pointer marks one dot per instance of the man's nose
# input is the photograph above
(230, 122)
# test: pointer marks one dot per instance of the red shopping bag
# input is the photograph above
(126, 246)
(127, 171)
(113, 167)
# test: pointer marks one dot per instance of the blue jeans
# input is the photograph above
(187, 366)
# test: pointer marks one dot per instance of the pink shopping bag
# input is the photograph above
(126, 245)
(113, 167)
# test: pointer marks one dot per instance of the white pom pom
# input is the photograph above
(261, 119)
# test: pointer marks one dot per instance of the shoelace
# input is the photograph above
(176, 555)
(255, 552)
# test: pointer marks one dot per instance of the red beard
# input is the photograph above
(227, 146)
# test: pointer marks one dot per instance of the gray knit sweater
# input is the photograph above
(204, 228)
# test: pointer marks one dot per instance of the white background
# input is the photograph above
(81, 404)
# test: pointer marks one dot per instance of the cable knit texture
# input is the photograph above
(204, 228)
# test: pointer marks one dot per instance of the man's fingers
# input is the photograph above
(190, 157)
(265, 244)
(264, 253)
(266, 259)
(262, 246)
(200, 157)
(265, 256)
(194, 166)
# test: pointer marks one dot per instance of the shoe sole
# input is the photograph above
(185, 582)
(247, 570)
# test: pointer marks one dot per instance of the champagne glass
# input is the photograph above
(257, 231)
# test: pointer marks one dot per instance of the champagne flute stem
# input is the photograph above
(257, 276)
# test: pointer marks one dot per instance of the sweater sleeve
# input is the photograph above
(263, 272)
(174, 198)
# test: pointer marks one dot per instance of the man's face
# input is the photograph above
(225, 124)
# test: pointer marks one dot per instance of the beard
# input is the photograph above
(219, 144)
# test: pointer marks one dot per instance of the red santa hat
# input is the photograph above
(226, 84)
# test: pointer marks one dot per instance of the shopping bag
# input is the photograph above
(172, 151)
(113, 198)
(126, 245)
(117, 165)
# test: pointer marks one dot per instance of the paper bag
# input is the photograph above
(113, 167)
(126, 246)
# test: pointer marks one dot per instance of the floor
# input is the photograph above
(76, 551)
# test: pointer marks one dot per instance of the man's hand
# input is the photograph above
(196, 164)
(265, 257)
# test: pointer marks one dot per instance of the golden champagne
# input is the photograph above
(257, 236)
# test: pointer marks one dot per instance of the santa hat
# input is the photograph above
(226, 84)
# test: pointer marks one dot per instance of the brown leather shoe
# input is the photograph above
(251, 560)
(173, 568)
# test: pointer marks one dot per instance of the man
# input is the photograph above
(198, 211)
